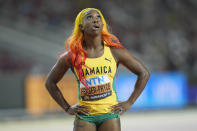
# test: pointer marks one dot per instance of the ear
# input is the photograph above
(81, 27)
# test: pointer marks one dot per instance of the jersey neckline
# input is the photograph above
(92, 58)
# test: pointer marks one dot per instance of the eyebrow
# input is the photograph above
(90, 13)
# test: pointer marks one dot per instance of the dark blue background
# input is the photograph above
(163, 90)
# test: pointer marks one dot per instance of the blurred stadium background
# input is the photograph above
(161, 33)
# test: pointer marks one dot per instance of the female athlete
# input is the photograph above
(93, 56)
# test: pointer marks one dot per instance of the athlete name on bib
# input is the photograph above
(98, 88)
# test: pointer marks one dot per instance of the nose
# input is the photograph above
(95, 20)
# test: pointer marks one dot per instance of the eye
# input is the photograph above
(98, 16)
(89, 17)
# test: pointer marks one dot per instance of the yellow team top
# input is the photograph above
(100, 81)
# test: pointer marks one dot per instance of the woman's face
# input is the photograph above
(92, 23)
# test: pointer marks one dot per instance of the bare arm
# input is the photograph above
(54, 76)
(134, 65)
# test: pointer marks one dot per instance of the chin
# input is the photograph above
(94, 33)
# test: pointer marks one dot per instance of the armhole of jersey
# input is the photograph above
(117, 63)
(75, 73)
(78, 82)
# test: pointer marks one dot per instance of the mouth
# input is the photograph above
(95, 27)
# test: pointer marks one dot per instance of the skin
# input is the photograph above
(94, 47)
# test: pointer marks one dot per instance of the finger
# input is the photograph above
(82, 106)
(82, 109)
(122, 112)
(84, 112)
(114, 106)
(119, 110)
(113, 110)
(77, 115)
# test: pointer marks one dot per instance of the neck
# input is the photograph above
(92, 42)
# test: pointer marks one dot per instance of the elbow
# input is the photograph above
(48, 84)
(145, 75)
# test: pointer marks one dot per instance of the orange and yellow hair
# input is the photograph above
(78, 54)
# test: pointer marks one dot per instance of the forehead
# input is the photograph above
(92, 11)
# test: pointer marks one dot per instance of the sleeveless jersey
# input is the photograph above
(99, 74)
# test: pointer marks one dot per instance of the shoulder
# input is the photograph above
(118, 53)
(117, 50)
(65, 58)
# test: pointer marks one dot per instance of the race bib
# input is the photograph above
(98, 88)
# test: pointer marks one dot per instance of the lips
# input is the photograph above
(95, 27)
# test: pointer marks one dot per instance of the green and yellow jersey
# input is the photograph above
(100, 79)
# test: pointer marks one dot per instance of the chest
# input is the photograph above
(93, 53)
(104, 65)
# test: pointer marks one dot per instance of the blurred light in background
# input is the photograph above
(164, 90)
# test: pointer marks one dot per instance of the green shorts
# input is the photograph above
(98, 119)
